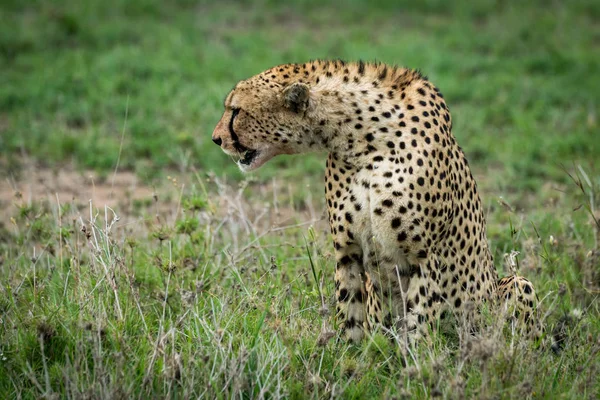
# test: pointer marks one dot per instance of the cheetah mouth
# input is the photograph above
(245, 157)
(251, 159)
(248, 156)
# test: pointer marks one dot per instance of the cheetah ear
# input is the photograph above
(296, 97)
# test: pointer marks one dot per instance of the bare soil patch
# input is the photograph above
(65, 185)
(264, 205)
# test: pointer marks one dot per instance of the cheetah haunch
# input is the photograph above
(407, 222)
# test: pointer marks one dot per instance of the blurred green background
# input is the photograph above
(521, 77)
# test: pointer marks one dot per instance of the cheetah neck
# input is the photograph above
(356, 107)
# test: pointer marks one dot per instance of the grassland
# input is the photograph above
(210, 284)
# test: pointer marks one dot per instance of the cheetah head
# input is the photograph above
(263, 119)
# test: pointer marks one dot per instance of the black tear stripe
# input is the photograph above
(236, 140)
(234, 114)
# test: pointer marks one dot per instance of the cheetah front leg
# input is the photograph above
(350, 292)
(423, 302)
(347, 221)
(520, 299)
(385, 302)
(384, 287)
(404, 298)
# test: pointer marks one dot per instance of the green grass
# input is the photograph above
(223, 287)
(221, 299)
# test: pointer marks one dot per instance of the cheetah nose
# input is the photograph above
(217, 141)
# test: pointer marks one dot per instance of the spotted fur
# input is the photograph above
(406, 219)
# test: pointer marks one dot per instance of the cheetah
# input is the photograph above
(407, 223)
